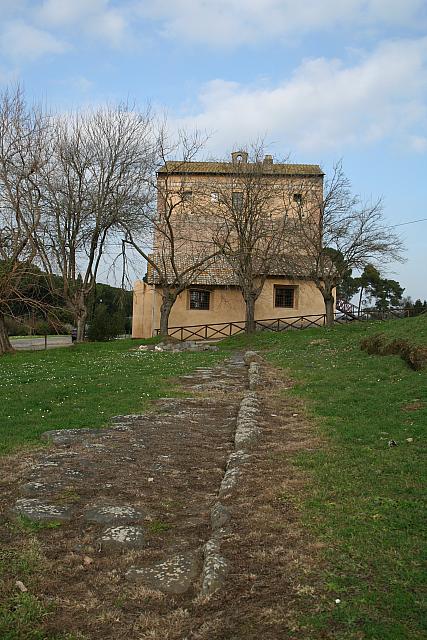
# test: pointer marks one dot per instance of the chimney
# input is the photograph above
(239, 156)
(268, 160)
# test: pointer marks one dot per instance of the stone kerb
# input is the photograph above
(247, 432)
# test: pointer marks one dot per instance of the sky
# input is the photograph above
(318, 80)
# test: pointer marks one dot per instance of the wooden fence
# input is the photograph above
(220, 330)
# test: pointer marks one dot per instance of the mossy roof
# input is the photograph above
(225, 168)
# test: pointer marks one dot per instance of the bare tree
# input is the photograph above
(252, 213)
(22, 155)
(94, 178)
(340, 232)
(171, 232)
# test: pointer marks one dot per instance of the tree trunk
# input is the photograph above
(329, 308)
(81, 325)
(79, 305)
(5, 346)
(250, 314)
(165, 309)
(360, 300)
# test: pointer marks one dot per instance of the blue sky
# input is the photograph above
(318, 80)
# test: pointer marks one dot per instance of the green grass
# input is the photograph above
(22, 523)
(365, 499)
(158, 527)
(82, 386)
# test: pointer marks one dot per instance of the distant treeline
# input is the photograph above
(43, 310)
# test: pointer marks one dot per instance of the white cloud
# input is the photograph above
(31, 29)
(21, 40)
(418, 143)
(325, 104)
(81, 83)
(65, 12)
(93, 17)
(236, 22)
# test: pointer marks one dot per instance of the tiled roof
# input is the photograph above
(219, 272)
(224, 168)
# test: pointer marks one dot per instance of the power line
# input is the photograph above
(401, 224)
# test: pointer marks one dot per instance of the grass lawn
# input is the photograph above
(82, 386)
(365, 499)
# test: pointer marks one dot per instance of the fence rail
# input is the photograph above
(226, 329)
(219, 330)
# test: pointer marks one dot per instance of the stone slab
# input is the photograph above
(112, 514)
(36, 488)
(220, 516)
(68, 436)
(173, 576)
(214, 568)
(39, 510)
(123, 536)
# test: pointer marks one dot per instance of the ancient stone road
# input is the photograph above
(118, 487)
(179, 523)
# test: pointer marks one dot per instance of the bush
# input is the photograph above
(42, 328)
(104, 325)
(16, 328)
(414, 355)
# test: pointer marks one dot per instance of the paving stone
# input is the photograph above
(220, 516)
(246, 434)
(68, 436)
(131, 417)
(67, 475)
(122, 426)
(44, 464)
(95, 446)
(112, 514)
(174, 575)
(214, 568)
(60, 456)
(251, 356)
(237, 458)
(130, 537)
(229, 480)
(38, 510)
(36, 488)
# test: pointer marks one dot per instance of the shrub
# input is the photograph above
(414, 355)
(16, 328)
(104, 325)
(42, 328)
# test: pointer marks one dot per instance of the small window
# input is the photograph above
(284, 297)
(199, 299)
(187, 196)
(298, 198)
(215, 197)
(237, 200)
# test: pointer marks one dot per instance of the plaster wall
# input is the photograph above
(226, 305)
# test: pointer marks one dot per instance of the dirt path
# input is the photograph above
(129, 559)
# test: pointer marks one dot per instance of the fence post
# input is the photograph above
(45, 341)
